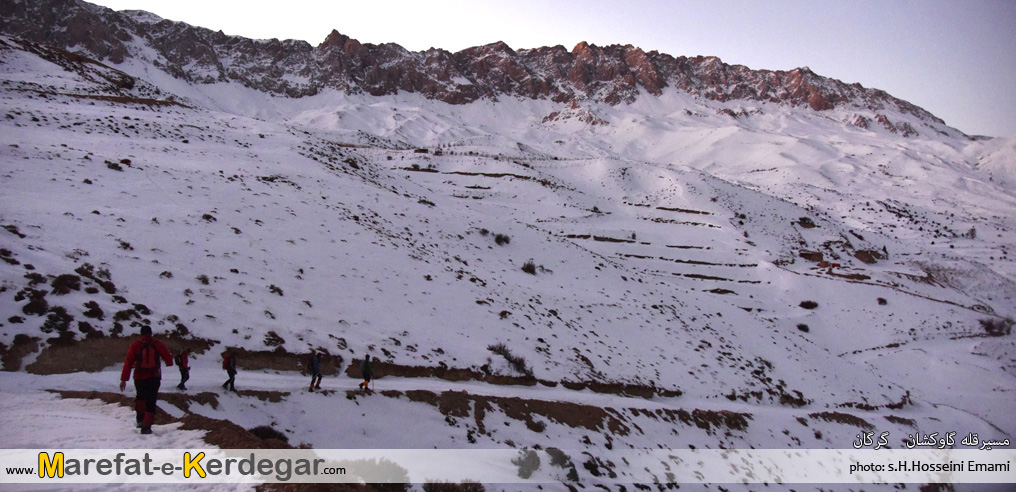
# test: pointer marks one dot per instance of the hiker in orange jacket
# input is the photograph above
(143, 358)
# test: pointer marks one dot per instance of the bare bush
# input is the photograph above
(516, 362)
(997, 327)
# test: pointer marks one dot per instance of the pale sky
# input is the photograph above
(954, 58)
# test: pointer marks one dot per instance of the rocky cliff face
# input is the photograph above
(610, 74)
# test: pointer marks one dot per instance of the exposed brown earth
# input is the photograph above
(220, 433)
(842, 418)
(382, 369)
(96, 354)
(459, 404)
(21, 346)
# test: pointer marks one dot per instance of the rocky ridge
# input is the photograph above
(610, 74)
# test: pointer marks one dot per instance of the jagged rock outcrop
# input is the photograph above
(611, 74)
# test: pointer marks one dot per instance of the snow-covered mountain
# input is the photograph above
(593, 249)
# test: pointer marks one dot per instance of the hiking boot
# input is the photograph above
(146, 430)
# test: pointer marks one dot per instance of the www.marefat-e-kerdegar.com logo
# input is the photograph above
(170, 466)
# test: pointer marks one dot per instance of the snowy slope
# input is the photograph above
(667, 244)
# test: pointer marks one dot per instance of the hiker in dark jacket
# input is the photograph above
(184, 365)
(367, 371)
(315, 371)
(143, 358)
(229, 364)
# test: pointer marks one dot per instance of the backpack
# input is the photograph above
(225, 361)
(147, 357)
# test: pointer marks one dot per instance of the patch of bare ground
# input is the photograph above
(684, 210)
(21, 346)
(543, 182)
(849, 276)
(869, 256)
(220, 433)
(96, 354)
(901, 421)
(708, 420)
(532, 413)
(904, 401)
(281, 360)
(460, 404)
(269, 396)
(382, 369)
(145, 101)
(842, 418)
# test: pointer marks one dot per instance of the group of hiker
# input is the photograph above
(143, 358)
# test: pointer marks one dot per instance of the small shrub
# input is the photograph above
(208, 218)
(529, 267)
(266, 432)
(502, 239)
(37, 306)
(809, 304)
(65, 283)
(203, 279)
(108, 287)
(166, 274)
(516, 362)
(465, 486)
(274, 289)
(997, 327)
(126, 315)
(537, 426)
(882, 301)
(527, 461)
(35, 278)
(273, 339)
(94, 311)
(59, 320)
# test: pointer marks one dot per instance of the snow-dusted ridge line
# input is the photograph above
(611, 74)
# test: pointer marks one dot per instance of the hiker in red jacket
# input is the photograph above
(143, 357)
